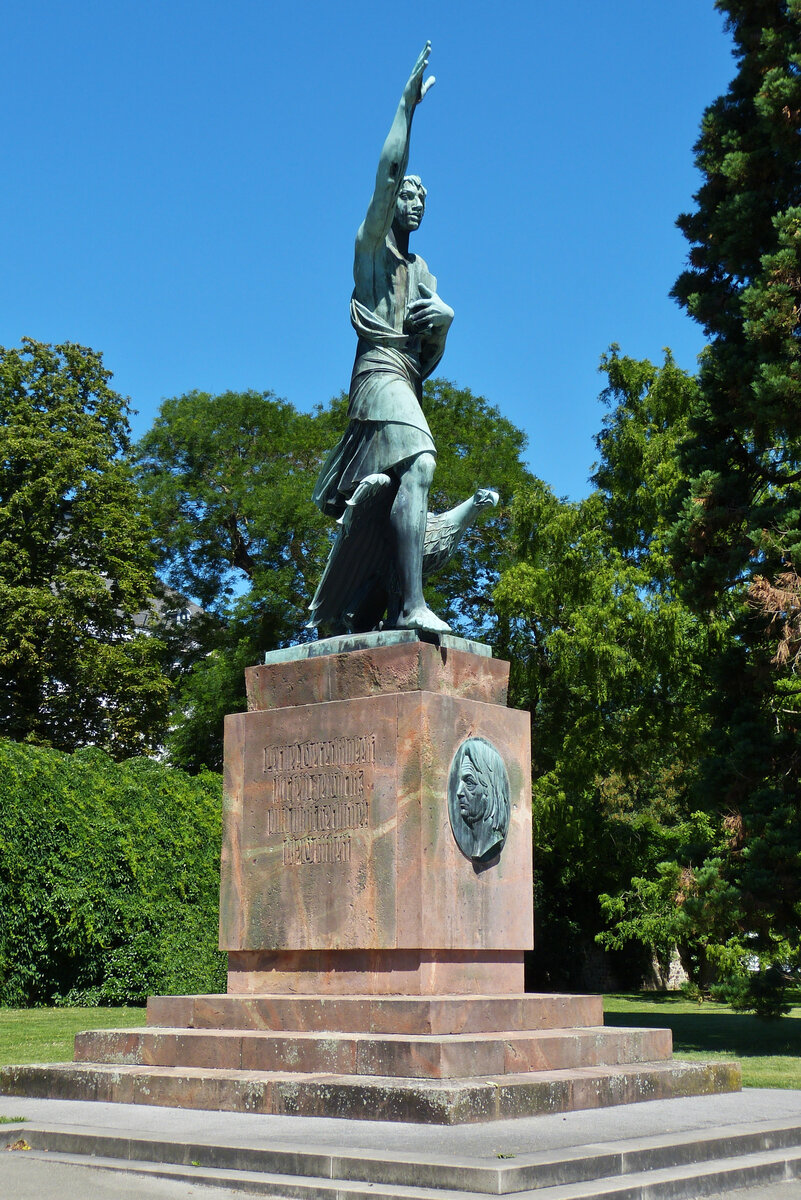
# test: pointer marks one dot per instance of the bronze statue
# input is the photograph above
(376, 481)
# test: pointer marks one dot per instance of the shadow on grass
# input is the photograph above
(707, 1030)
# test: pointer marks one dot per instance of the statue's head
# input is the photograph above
(410, 204)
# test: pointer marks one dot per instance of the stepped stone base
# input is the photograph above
(438, 1059)
(432, 1101)
(400, 1014)
(376, 952)
(456, 1056)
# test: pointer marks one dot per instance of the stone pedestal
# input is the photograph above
(376, 904)
(340, 868)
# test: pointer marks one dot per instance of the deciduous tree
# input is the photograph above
(605, 655)
(75, 560)
(229, 479)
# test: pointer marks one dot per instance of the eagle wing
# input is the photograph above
(352, 594)
(444, 530)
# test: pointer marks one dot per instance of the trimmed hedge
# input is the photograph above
(109, 879)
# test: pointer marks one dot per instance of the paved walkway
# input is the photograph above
(523, 1136)
(32, 1179)
(37, 1179)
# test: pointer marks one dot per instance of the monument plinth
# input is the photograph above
(340, 868)
(376, 904)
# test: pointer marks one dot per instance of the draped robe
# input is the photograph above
(386, 424)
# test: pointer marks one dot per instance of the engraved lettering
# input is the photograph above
(317, 791)
(336, 752)
(311, 850)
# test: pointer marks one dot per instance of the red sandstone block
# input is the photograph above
(375, 972)
(125, 1046)
(217, 1050)
(561, 1011)
(402, 1059)
(310, 1053)
(563, 1050)
(413, 666)
(458, 1056)
(444, 1102)
(359, 854)
(474, 1057)
(175, 1011)
(156, 1050)
(410, 1015)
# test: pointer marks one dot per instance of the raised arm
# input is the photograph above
(394, 159)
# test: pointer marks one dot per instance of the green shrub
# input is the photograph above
(109, 879)
(763, 992)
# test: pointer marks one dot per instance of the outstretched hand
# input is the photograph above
(415, 88)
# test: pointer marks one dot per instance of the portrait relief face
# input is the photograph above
(471, 793)
(478, 799)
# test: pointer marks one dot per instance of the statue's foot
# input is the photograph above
(421, 617)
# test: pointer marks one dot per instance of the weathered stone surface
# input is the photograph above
(437, 1101)
(337, 834)
(376, 972)
(345, 643)
(443, 1056)
(406, 666)
(378, 1014)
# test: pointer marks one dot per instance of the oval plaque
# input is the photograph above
(478, 799)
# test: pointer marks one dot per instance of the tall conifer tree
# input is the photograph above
(740, 520)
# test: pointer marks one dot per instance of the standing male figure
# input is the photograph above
(402, 325)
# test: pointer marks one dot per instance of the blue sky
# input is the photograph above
(183, 180)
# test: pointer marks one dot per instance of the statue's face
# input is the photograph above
(409, 207)
(471, 794)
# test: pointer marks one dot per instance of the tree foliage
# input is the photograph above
(743, 285)
(605, 655)
(75, 560)
(738, 541)
(229, 481)
(228, 478)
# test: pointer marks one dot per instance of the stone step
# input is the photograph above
(454, 1056)
(378, 1014)
(436, 1101)
(683, 1183)
(677, 1165)
(757, 1173)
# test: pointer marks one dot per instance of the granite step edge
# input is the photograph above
(534, 1171)
(252, 1182)
(690, 1182)
(685, 1182)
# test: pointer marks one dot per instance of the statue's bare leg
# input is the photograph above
(408, 521)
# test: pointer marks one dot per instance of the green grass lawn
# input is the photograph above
(45, 1035)
(770, 1051)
